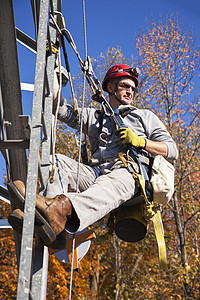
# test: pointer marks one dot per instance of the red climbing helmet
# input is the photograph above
(119, 71)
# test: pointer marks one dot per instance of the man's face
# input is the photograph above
(125, 90)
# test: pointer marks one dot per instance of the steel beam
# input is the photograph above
(4, 196)
(31, 283)
(35, 4)
(10, 100)
(26, 41)
(10, 88)
(24, 280)
(40, 271)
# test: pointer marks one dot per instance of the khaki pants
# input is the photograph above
(97, 196)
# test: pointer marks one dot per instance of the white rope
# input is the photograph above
(72, 266)
(81, 113)
(52, 174)
(81, 134)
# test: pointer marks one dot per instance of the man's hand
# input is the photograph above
(129, 137)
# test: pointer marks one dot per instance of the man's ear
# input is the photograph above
(110, 87)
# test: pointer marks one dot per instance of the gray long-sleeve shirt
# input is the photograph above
(104, 142)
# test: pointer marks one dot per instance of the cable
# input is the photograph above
(81, 132)
(93, 82)
(72, 265)
(84, 26)
(83, 96)
(75, 104)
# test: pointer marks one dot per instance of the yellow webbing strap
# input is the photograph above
(158, 227)
(151, 213)
(53, 46)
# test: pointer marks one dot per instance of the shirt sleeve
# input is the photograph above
(66, 115)
(156, 131)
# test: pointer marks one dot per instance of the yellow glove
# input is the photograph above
(129, 137)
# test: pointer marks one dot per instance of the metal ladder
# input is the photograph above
(32, 259)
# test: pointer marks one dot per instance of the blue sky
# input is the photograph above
(108, 22)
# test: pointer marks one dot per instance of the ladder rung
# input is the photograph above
(14, 144)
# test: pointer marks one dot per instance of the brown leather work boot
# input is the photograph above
(55, 210)
(16, 219)
(17, 192)
(51, 214)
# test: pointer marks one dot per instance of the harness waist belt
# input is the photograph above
(95, 161)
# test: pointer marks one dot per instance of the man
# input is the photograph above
(108, 184)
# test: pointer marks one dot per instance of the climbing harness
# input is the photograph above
(146, 212)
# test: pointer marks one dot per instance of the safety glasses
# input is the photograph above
(126, 86)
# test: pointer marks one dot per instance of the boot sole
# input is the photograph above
(42, 228)
(16, 221)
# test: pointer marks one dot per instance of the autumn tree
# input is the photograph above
(170, 63)
(8, 261)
